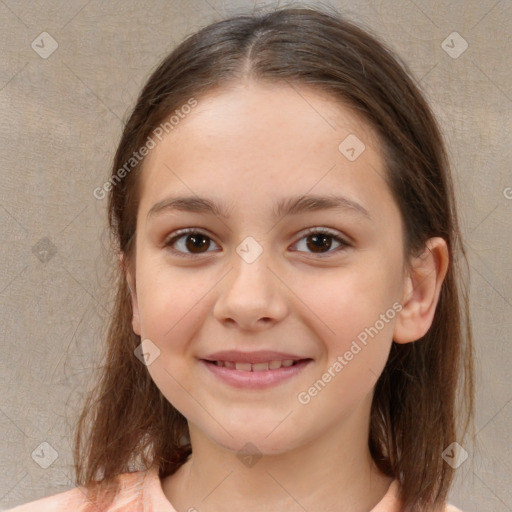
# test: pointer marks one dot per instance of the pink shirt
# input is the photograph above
(142, 492)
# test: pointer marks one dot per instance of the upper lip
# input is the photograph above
(260, 356)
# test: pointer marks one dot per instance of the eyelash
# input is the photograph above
(323, 231)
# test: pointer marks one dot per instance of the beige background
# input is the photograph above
(60, 121)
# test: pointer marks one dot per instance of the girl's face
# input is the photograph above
(263, 271)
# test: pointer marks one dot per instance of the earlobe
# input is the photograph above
(422, 288)
(130, 280)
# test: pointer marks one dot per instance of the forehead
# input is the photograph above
(290, 111)
(271, 139)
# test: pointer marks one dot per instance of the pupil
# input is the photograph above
(320, 241)
(319, 238)
(198, 242)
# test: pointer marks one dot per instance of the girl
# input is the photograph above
(290, 332)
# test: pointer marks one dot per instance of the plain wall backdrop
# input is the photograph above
(69, 73)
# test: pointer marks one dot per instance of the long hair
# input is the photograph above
(126, 423)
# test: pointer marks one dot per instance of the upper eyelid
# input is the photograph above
(343, 238)
(303, 232)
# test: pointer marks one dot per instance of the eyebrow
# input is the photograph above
(284, 207)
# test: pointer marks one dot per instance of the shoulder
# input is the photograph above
(129, 494)
(391, 502)
(74, 499)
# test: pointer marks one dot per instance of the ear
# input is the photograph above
(130, 279)
(421, 291)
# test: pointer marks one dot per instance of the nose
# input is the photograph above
(251, 296)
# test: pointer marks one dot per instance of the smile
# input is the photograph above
(255, 375)
(256, 367)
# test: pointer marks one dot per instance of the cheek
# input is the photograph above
(172, 306)
(356, 313)
(169, 302)
(354, 300)
(357, 319)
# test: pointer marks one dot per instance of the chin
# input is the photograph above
(255, 442)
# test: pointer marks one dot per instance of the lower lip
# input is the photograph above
(255, 380)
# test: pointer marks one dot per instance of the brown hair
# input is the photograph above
(126, 423)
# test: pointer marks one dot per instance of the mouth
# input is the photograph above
(256, 375)
(257, 367)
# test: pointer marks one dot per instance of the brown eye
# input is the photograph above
(189, 242)
(316, 243)
(319, 241)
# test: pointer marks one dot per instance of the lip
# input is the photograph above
(255, 379)
(260, 356)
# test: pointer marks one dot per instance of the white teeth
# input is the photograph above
(245, 367)
(256, 367)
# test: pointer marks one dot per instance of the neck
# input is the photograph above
(332, 472)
